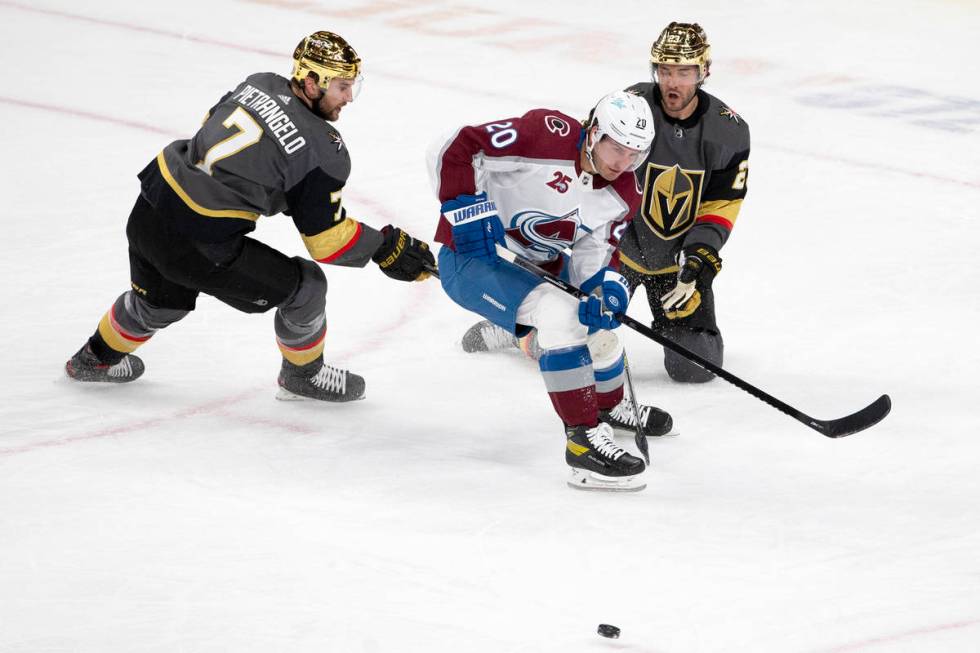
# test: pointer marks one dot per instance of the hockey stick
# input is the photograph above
(832, 428)
(641, 435)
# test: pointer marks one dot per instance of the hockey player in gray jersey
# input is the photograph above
(693, 182)
(265, 148)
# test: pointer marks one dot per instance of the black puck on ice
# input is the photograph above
(607, 630)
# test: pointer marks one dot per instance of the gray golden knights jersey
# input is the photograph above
(261, 152)
(693, 183)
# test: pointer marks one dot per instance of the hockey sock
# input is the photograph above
(570, 382)
(609, 383)
(129, 322)
(300, 346)
(301, 321)
(120, 331)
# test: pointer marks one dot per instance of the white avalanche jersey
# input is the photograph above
(529, 166)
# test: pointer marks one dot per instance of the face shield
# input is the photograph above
(618, 157)
(676, 75)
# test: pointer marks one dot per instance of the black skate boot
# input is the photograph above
(598, 463)
(86, 366)
(318, 381)
(487, 336)
(655, 422)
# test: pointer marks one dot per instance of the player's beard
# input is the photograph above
(324, 110)
(679, 102)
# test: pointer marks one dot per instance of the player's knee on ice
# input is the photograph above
(706, 344)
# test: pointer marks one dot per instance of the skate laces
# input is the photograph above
(496, 337)
(601, 440)
(330, 379)
(623, 412)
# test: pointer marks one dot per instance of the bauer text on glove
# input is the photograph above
(402, 257)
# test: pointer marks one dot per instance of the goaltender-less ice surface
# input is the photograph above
(190, 511)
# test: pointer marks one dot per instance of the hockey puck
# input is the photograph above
(607, 630)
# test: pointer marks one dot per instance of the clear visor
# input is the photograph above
(617, 156)
(676, 75)
(347, 86)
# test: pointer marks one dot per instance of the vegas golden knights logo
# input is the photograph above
(670, 199)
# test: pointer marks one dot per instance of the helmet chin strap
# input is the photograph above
(589, 145)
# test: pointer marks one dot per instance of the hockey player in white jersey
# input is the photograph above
(542, 184)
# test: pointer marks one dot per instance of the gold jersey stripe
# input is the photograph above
(633, 265)
(194, 206)
(326, 245)
(727, 209)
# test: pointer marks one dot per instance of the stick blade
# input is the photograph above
(862, 419)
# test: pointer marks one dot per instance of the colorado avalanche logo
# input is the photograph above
(557, 126)
(545, 235)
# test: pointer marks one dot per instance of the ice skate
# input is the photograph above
(598, 463)
(86, 366)
(487, 336)
(655, 422)
(318, 381)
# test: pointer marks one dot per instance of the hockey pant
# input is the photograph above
(517, 300)
(169, 270)
(694, 328)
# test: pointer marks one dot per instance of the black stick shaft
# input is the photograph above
(853, 423)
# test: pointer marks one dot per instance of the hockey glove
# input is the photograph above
(590, 314)
(684, 298)
(615, 290)
(476, 226)
(402, 257)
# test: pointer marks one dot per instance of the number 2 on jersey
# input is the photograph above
(503, 134)
(743, 172)
(248, 134)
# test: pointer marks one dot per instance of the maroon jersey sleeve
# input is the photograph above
(538, 134)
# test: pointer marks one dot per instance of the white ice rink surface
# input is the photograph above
(192, 512)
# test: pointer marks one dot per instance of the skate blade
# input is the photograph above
(590, 481)
(630, 433)
(286, 395)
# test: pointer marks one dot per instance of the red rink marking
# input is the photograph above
(887, 639)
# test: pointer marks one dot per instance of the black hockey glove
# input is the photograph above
(696, 261)
(402, 257)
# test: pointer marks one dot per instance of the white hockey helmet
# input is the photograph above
(625, 118)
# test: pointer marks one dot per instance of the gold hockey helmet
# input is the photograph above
(682, 44)
(328, 55)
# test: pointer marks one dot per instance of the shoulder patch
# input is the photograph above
(728, 112)
(557, 125)
(336, 139)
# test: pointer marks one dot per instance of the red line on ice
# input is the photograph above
(885, 639)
